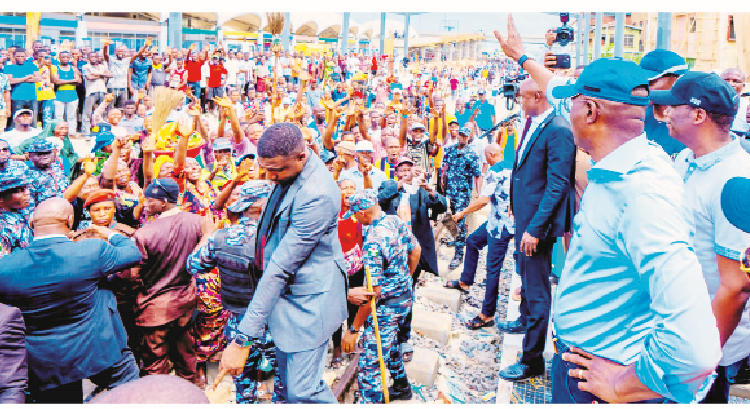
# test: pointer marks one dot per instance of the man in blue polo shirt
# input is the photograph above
(22, 76)
(485, 118)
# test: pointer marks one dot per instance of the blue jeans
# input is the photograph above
(495, 257)
(196, 87)
(47, 107)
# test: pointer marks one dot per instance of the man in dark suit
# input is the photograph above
(302, 291)
(425, 205)
(14, 371)
(73, 328)
(541, 187)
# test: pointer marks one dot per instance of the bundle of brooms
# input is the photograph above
(165, 100)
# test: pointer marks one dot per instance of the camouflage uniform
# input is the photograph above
(387, 243)
(461, 166)
(47, 183)
(15, 232)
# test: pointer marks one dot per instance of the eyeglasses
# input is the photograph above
(745, 262)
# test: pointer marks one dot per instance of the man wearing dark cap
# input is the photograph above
(663, 68)
(167, 299)
(485, 113)
(632, 313)
(302, 293)
(700, 109)
(15, 198)
(46, 175)
(73, 330)
(232, 251)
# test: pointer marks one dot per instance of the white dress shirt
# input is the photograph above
(535, 122)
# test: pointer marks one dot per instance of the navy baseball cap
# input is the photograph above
(702, 90)
(658, 63)
(734, 197)
(610, 79)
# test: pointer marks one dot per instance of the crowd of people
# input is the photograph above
(251, 208)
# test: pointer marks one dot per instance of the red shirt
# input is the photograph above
(214, 75)
(454, 84)
(194, 70)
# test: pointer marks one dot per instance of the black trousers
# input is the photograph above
(536, 298)
(355, 280)
(719, 392)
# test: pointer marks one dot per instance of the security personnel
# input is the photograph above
(460, 168)
(391, 254)
(15, 212)
(47, 176)
(231, 250)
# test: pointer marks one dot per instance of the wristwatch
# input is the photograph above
(242, 340)
(352, 330)
(522, 60)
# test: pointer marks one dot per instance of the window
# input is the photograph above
(690, 63)
(640, 45)
(691, 24)
(730, 30)
(628, 41)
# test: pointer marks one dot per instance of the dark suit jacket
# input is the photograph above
(542, 186)
(423, 209)
(14, 371)
(73, 329)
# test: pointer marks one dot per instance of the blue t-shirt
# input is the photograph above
(140, 73)
(463, 118)
(24, 90)
(67, 92)
(484, 117)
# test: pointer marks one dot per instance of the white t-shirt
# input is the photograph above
(205, 72)
(15, 138)
(713, 235)
(232, 67)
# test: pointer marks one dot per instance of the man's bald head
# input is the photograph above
(154, 389)
(529, 85)
(53, 211)
(533, 102)
(734, 77)
(493, 153)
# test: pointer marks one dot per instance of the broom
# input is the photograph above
(165, 100)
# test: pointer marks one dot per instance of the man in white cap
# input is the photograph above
(23, 129)
(363, 151)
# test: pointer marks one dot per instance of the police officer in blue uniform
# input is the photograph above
(232, 250)
(391, 254)
(15, 212)
(460, 168)
(46, 173)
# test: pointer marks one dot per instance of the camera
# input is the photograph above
(565, 33)
(511, 85)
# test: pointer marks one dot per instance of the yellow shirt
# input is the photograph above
(45, 90)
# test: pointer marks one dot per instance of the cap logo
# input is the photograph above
(592, 89)
(695, 101)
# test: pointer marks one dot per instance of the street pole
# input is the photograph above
(597, 37)
(619, 34)
(585, 36)
(579, 40)
(664, 31)
(285, 33)
(345, 34)
(407, 18)
(382, 33)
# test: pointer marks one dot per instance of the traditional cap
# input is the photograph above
(452, 119)
(42, 146)
(417, 126)
(104, 136)
(609, 79)
(356, 94)
(364, 146)
(347, 146)
(658, 63)
(163, 189)
(22, 111)
(222, 144)
(13, 177)
(481, 92)
(100, 195)
(464, 131)
(250, 192)
(403, 160)
(734, 197)
(286, 101)
(700, 90)
(361, 200)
